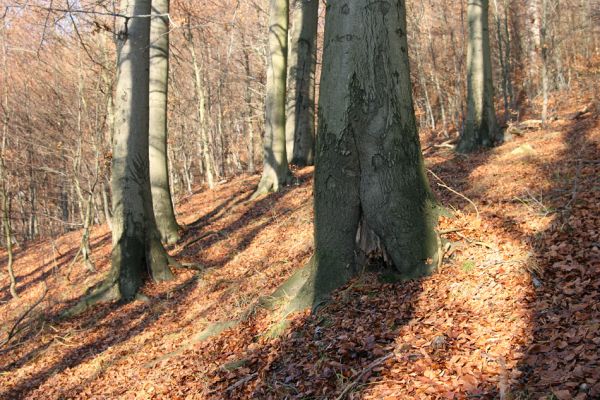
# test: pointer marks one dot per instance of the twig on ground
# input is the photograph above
(242, 381)
(368, 368)
(489, 246)
(443, 184)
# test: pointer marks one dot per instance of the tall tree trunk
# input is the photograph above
(206, 145)
(248, 114)
(137, 250)
(300, 101)
(159, 89)
(4, 192)
(370, 175)
(275, 167)
(544, 47)
(481, 126)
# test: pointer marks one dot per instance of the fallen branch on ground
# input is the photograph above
(368, 368)
(443, 184)
(14, 331)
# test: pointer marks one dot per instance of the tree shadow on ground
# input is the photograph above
(322, 354)
(258, 210)
(43, 272)
(107, 325)
(563, 356)
(327, 349)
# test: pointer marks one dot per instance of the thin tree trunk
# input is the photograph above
(275, 167)
(300, 101)
(159, 88)
(205, 138)
(6, 223)
(544, 47)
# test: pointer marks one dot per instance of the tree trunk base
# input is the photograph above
(271, 182)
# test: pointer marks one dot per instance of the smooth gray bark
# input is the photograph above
(480, 126)
(370, 177)
(159, 85)
(275, 167)
(300, 100)
(137, 251)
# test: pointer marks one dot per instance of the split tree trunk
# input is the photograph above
(481, 126)
(302, 63)
(137, 250)
(275, 167)
(159, 89)
(370, 175)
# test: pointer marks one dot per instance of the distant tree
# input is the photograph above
(302, 63)
(159, 84)
(275, 167)
(370, 178)
(480, 126)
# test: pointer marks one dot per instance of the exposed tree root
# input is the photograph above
(176, 264)
(105, 293)
(271, 183)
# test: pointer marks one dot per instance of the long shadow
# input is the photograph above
(325, 350)
(256, 212)
(49, 268)
(563, 356)
(114, 323)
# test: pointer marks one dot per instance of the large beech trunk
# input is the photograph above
(371, 191)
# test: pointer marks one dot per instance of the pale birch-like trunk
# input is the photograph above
(370, 174)
(159, 90)
(206, 145)
(480, 126)
(300, 96)
(275, 167)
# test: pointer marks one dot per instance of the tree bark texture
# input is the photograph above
(159, 84)
(137, 250)
(370, 175)
(481, 126)
(300, 101)
(275, 167)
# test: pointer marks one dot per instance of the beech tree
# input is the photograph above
(137, 251)
(371, 192)
(275, 167)
(159, 84)
(480, 126)
(300, 100)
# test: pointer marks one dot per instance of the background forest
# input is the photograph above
(513, 313)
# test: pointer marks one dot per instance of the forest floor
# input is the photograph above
(514, 312)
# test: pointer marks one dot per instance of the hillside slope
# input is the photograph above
(514, 311)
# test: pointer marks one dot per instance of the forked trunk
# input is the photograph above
(137, 250)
